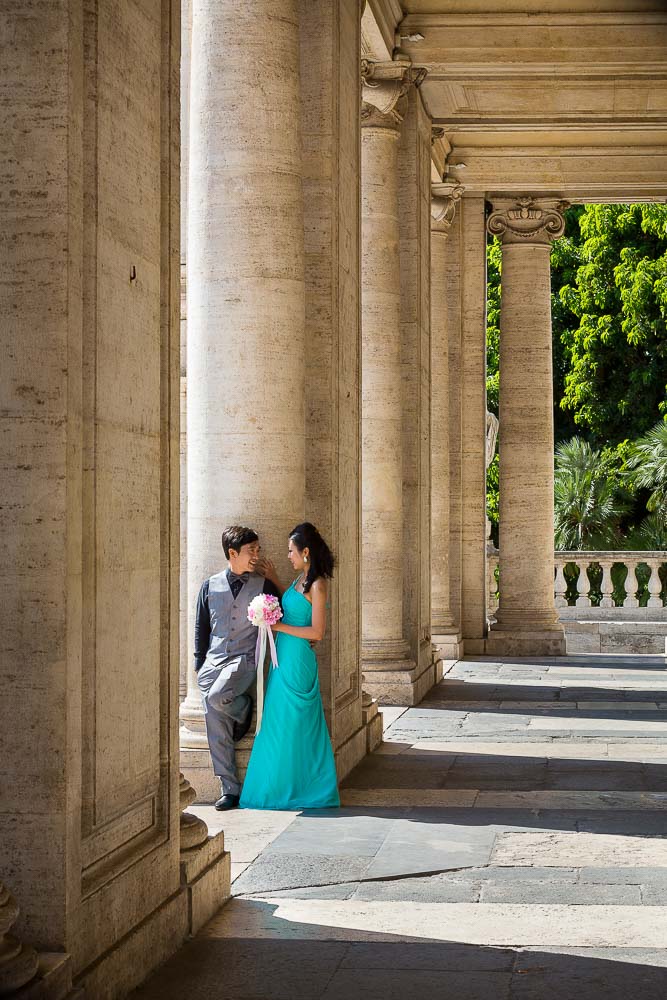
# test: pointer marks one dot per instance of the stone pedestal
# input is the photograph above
(204, 863)
(372, 721)
(526, 620)
(245, 252)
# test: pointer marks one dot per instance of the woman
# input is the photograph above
(292, 764)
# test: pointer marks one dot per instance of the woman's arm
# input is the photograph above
(318, 595)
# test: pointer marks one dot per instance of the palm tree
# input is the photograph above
(588, 502)
(648, 461)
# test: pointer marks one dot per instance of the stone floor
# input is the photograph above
(507, 842)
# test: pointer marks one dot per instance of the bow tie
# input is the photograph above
(237, 577)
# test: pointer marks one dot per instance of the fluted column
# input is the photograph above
(527, 621)
(444, 199)
(245, 254)
(384, 647)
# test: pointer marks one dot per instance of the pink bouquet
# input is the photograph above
(263, 611)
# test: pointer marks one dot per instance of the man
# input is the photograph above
(225, 650)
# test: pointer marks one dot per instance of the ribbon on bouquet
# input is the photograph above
(260, 654)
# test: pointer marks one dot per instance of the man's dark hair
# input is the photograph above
(236, 537)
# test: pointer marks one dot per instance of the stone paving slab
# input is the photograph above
(398, 984)
(507, 841)
(486, 924)
(582, 849)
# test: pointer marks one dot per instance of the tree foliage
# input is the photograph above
(589, 499)
(614, 340)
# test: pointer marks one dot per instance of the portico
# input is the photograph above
(311, 224)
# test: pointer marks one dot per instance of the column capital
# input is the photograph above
(445, 196)
(527, 220)
(384, 89)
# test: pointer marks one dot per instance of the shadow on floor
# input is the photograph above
(289, 960)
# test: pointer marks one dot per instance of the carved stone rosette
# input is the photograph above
(385, 86)
(445, 196)
(527, 220)
(18, 962)
(194, 831)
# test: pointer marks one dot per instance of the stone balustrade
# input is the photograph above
(606, 584)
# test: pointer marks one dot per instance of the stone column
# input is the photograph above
(527, 621)
(444, 633)
(330, 37)
(384, 647)
(245, 352)
(472, 428)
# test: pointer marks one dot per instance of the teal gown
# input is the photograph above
(292, 764)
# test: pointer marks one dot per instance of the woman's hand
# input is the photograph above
(267, 569)
(277, 627)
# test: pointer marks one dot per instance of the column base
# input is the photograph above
(398, 682)
(206, 877)
(474, 647)
(53, 980)
(132, 959)
(372, 722)
(197, 767)
(447, 645)
(506, 642)
(350, 753)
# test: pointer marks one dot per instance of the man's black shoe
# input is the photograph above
(241, 728)
(227, 802)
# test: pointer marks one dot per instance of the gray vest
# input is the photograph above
(231, 633)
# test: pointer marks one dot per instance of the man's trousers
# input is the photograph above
(223, 687)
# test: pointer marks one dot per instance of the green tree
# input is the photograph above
(588, 499)
(648, 467)
(616, 341)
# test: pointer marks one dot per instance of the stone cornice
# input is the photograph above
(527, 220)
(445, 196)
(384, 91)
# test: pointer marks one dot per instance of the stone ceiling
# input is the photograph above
(562, 97)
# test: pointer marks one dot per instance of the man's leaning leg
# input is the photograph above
(220, 734)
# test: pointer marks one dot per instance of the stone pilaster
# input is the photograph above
(526, 620)
(384, 647)
(445, 634)
(246, 328)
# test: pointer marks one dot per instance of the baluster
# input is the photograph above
(607, 585)
(583, 600)
(560, 585)
(492, 586)
(654, 584)
(631, 586)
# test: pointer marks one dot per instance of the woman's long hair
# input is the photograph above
(321, 561)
